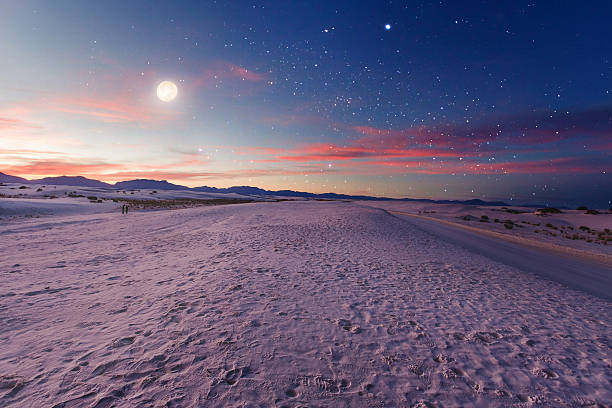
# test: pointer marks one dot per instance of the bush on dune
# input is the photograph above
(548, 210)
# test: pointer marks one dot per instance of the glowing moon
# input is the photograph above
(167, 91)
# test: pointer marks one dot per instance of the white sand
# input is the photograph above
(283, 304)
(39, 201)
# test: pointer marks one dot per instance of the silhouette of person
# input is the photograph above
(126, 209)
(123, 209)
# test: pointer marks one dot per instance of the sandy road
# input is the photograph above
(575, 272)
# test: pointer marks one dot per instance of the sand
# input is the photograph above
(567, 231)
(283, 304)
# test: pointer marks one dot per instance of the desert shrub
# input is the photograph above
(22, 187)
(594, 212)
(92, 198)
(484, 217)
(496, 220)
(584, 228)
(582, 208)
(607, 230)
(508, 226)
(549, 210)
(513, 211)
(39, 189)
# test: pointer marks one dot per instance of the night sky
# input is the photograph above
(495, 100)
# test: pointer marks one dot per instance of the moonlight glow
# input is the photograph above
(167, 91)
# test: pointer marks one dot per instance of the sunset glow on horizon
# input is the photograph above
(431, 101)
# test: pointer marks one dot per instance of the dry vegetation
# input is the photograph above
(136, 204)
(584, 233)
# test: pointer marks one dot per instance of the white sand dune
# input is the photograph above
(283, 304)
(35, 200)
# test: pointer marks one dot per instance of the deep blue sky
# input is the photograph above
(493, 100)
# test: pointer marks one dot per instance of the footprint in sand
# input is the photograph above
(102, 368)
(422, 404)
(489, 337)
(443, 359)
(13, 383)
(126, 341)
(348, 326)
(545, 373)
(530, 342)
(232, 376)
(452, 372)
(459, 336)
(502, 393)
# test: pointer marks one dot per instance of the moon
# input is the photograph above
(167, 91)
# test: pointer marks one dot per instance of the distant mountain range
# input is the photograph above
(79, 181)
(142, 184)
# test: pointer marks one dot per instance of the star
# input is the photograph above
(387, 27)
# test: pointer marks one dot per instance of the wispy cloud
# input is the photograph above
(119, 109)
(218, 71)
(15, 124)
(489, 147)
(560, 165)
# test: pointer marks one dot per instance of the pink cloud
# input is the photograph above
(117, 109)
(332, 152)
(562, 165)
(222, 70)
(122, 108)
(15, 124)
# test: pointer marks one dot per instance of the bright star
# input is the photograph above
(387, 27)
